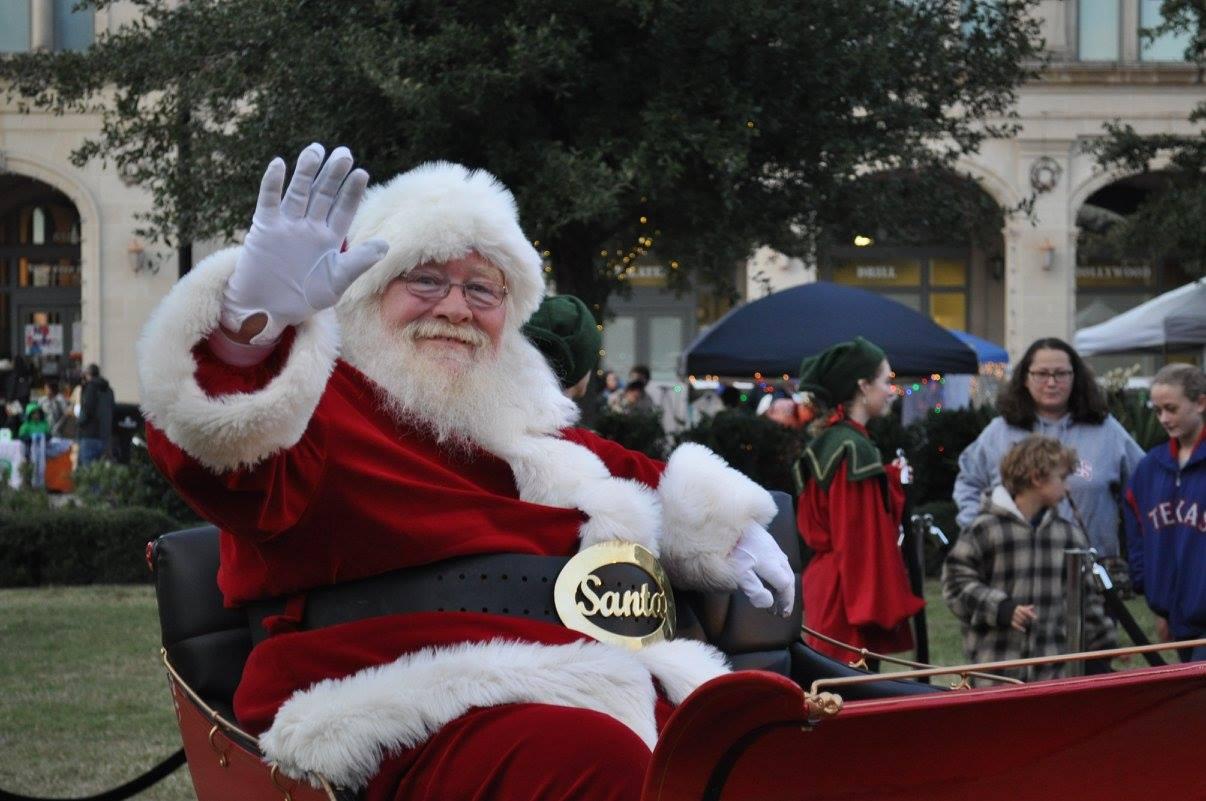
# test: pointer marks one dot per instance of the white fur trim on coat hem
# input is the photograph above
(707, 505)
(230, 431)
(343, 728)
(681, 666)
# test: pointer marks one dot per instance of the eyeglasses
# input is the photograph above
(1043, 376)
(479, 293)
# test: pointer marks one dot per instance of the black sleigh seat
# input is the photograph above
(206, 645)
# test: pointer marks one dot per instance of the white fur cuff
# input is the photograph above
(231, 431)
(706, 505)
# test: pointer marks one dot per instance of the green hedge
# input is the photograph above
(77, 546)
(757, 446)
(637, 431)
(110, 485)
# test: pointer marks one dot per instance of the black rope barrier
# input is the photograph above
(133, 787)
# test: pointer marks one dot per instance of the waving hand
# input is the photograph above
(291, 266)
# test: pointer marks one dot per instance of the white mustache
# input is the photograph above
(438, 329)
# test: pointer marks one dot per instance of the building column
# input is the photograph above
(1040, 255)
(1040, 273)
(41, 24)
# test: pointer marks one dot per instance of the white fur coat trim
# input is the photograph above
(553, 471)
(238, 430)
(343, 728)
(707, 505)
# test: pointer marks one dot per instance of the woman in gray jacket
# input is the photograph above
(1053, 392)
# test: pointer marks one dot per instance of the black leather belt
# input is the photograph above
(519, 585)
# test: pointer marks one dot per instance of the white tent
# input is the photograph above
(1175, 319)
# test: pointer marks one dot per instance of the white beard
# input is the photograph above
(486, 398)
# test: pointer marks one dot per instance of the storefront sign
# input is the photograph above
(648, 275)
(44, 340)
(1114, 275)
(901, 272)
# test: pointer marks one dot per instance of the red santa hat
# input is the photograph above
(440, 211)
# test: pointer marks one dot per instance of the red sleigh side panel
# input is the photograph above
(222, 765)
(1123, 736)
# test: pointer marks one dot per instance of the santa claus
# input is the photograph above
(373, 409)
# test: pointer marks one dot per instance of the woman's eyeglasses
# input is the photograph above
(1043, 376)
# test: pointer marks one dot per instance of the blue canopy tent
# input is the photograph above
(986, 350)
(772, 335)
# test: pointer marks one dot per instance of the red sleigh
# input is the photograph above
(798, 726)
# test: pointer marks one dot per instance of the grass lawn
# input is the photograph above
(84, 704)
(946, 639)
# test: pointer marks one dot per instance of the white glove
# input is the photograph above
(290, 266)
(756, 558)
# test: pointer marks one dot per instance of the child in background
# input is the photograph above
(35, 423)
(1004, 579)
(1166, 511)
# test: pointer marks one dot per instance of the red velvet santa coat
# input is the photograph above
(312, 484)
(855, 586)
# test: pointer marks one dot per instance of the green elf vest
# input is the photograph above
(825, 452)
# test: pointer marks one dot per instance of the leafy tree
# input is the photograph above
(1168, 223)
(695, 130)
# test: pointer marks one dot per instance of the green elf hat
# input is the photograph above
(833, 374)
(565, 332)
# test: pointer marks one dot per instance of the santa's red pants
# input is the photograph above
(519, 751)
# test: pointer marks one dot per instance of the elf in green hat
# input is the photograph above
(565, 332)
(855, 587)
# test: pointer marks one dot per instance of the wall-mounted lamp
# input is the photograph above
(996, 266)
(1047, 255)
(138, 259)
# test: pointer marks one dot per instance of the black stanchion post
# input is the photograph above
(912, 546)
(1076, 566)
(1116, 609)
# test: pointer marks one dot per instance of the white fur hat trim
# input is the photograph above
(440, 211)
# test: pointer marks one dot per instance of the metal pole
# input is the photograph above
(1076, 568)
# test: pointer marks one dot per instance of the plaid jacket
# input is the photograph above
(999, 562)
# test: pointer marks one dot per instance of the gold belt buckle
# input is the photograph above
(617, 593)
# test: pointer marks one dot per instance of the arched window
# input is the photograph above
(40, 312)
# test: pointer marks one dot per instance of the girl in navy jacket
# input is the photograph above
(1166, 500)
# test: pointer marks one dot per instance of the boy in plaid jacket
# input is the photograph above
(1004, 579)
